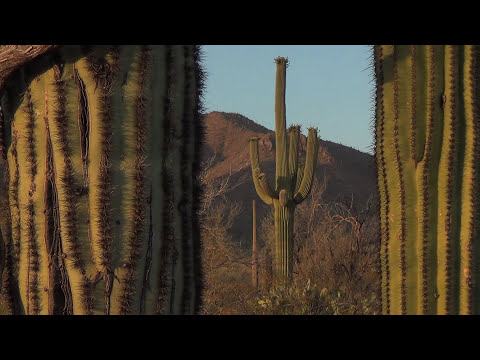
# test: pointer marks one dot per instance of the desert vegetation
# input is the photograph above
(336, 262)
(106, 207)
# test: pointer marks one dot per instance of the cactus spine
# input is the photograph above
(292, 182)
(99, 148)
(427, 157)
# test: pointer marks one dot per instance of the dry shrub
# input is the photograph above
(335, 269)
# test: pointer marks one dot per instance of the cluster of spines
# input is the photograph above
(66, 178)
(413, 103)
(431, 100)
(473, 74)
(381, 168)
(401, 187)
(14, 200)
(32, 248)
(452, 156)
(135, 237)
(104, 75)
(67, 181)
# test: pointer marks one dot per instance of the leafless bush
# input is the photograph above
(339, 250)
(225, 265)
(336, 257)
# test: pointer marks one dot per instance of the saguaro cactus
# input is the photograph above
(99, 148)
(427, 155)
(293, 181)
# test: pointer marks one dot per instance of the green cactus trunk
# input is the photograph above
(99, 149)
(292, 182)
(427, 152)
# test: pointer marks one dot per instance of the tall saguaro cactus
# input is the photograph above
(99, 149)
(292, 182)
(427, 152)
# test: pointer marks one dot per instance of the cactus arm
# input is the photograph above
(262, 178)
(310, 165)
(281, 155)
(469, 182)
(294, 135)
(298, 181)
(263, 193)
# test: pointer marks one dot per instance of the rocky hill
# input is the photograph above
(349, 173)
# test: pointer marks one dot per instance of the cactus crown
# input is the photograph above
(280, 60)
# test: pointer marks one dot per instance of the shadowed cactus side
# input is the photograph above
(99, 149)
(292, 182)
(427, 155)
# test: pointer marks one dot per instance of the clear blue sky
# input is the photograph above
(328, 86)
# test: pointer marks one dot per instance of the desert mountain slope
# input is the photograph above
(349, 172)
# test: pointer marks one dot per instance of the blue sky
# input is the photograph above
(328, 86)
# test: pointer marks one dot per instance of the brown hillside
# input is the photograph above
(349, 172)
